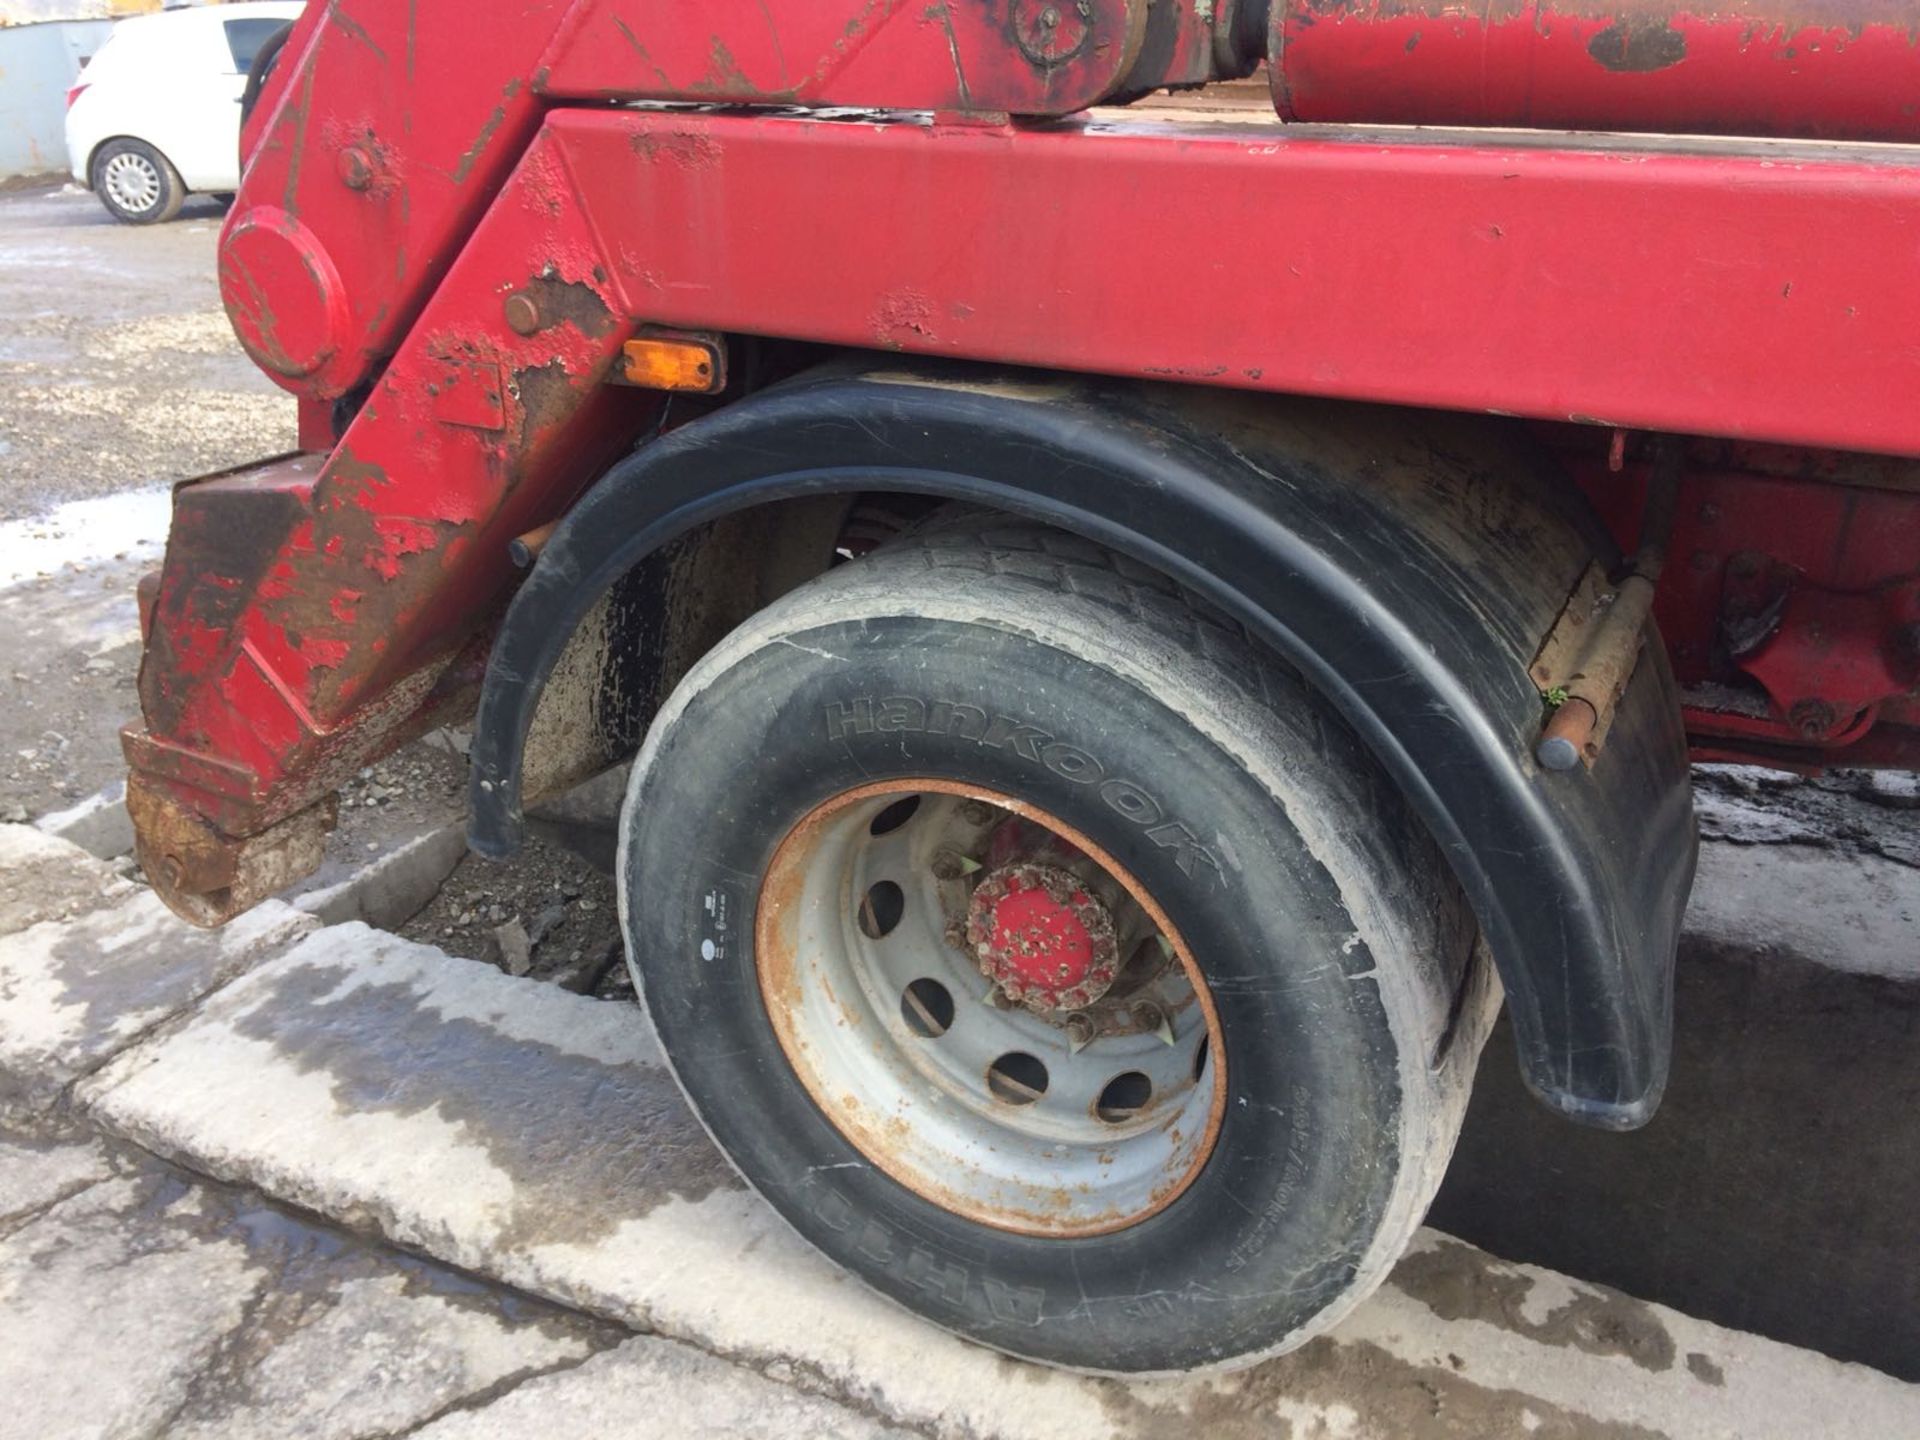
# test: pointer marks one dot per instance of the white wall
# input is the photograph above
(37, 65)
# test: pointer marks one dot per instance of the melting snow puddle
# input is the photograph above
(82, 534)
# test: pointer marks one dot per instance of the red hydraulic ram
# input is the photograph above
(1807, 69)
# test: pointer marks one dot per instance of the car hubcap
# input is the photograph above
(133, 181)
(989, 1009)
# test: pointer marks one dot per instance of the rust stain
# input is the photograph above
(641, 50)
(480, 142)
(206, 876)
(354, 29)
(688, 149)
(903, 317)
(1638, 45)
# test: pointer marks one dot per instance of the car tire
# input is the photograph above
(1343, 978)
(136, 183)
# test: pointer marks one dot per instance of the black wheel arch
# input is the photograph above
(1407, 563)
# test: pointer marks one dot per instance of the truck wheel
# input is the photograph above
(136, 183)
(1049, 956)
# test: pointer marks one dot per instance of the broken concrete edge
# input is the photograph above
(392, 889)
(99, 824)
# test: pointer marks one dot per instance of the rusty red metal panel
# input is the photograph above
(1790, 602)
(1029, 57)
(389, 126)
(311, 613)
(386, 133)
(1833, 69)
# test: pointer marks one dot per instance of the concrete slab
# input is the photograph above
(1775, 1191)
(43, 877)
(99, 824)
(147, 1305)
(656, 1387)
(528, 1134)
(38, 1174)
(74, 992)
(1855, 913)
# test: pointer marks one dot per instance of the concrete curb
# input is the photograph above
(394, 888)
(531, 1135)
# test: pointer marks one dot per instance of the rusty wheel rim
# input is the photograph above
(1054, 1114)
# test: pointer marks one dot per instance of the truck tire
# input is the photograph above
(136, 183)
(889, 839)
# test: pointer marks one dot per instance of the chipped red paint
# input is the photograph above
(1041, 936)
(440, 246)
(1814, 69)
(390, 126)
(1787, 588)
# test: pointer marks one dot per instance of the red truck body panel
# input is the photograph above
(444, 226)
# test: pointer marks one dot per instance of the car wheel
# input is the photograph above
(136, 183)
(1049, 955)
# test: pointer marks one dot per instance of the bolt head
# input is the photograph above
(1812, 718)
(523, 314)
(355, 167)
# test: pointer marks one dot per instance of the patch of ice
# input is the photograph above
(83, 533)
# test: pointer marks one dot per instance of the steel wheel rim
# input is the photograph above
(930, 1105)
(133, 181)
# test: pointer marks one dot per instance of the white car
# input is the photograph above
(155, 115)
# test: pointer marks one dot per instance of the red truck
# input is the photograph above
(1135, 625)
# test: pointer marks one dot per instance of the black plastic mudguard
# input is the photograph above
(1409, 563)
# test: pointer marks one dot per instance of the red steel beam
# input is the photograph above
(1816, 69)
(391, 125)
(1758, 293)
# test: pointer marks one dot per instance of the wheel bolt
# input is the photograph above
(1150, 1017)
(951, 865)
(1080, 1033)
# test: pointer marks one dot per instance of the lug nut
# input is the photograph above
(1080, 1033)
(951, 865)
(1150, 1017)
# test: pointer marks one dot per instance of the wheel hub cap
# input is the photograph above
(1042, 938)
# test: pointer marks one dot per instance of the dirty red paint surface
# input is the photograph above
(1811, 591)
(444, 229)
(1829, 69)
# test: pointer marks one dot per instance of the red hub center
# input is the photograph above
(1042, 937)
